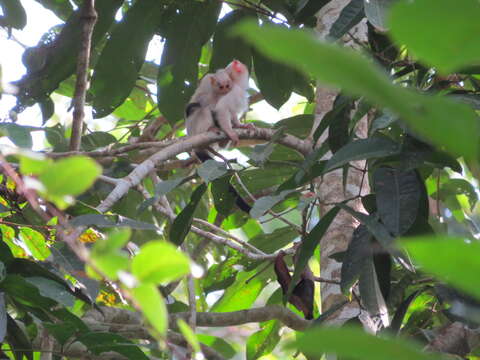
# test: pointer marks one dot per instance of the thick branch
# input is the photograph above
(186, 144)
(124, 321)
(89, 18)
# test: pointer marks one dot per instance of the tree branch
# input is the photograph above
(89, 17)
(186, 144)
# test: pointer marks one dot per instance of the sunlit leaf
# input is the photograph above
(159, 262)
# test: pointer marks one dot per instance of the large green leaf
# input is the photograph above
(17, 134)
(421, 26)
(70, 176)
(356, 344)
(159, 262)
(182, 223)
(218, 344)
(187, 31)
(398, 196)
(121, 59)
(373, 147)
(453, 260)
(227, 47)
(429, 116)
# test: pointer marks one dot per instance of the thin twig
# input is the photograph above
(89, 17)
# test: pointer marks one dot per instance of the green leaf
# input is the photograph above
(275, 80)
(106, 254)
(355, 343)
(398, 198)
(17, 339)
(308, 246)
(242, 294)
(226, 47)
(182, 223)
(427, 36)
(99, 342)
(223, 197)
(97, 139)
(35, 242)
(357, 252)
(188, 30)
(453, 260)
(189, 335)
(218, 344)
(211, 170)
(370, 148)
(159, 262)
(34, 165)
(70, 176)
(153, 307)
(370, 292)
(298, 125)
(376, 11)
(350, 16)
(123, 56)
(14, 14)
(338, 131)
(52, 289)
(454, 187)
(428, 116)
(263, 342)
(17, 134)
(262, 205)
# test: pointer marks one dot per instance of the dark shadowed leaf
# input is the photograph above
(274, 80)
(188, 30)
(298, 125)
(401, 312)
(14, 15)
(350, 16)
(60, 60)
(99, 342)
(309, 244)
(338, 131)
(226, 47)
(17, 339)
(223, 197)
(3, 317)
(53, 290)
(182, 223)
(370, 292)
(398, 198)
(123, 56)
(357, 253)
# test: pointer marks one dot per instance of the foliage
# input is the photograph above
(72, 247)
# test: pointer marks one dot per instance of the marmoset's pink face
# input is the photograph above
(221, 83)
